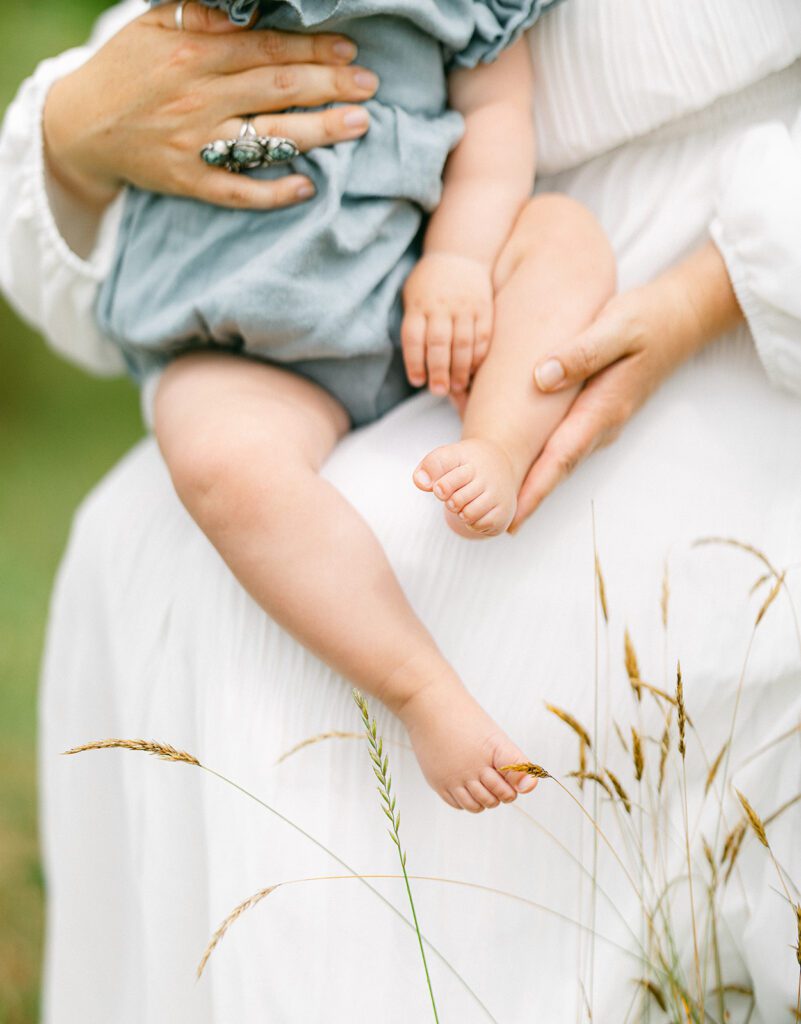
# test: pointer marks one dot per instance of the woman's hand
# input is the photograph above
(636, 341)
(140, 110)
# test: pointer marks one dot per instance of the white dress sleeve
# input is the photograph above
(53, 252)
(757, 228)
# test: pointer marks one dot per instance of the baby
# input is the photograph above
(272, 334)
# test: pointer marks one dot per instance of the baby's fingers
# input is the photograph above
(462, 353)
(438, 353)
(413, 340)
(483, 339)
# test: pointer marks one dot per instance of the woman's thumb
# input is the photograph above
(580, 358)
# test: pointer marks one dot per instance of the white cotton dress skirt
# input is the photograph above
(151, 637)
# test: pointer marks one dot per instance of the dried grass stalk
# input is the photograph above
(682, 711)
(601, 590)
(713, 770)
(162, 750)
(655, 992)
(571, 722)
(665, 599)
(774, 593)
(632, 665)
(623, 742)
(334, 734)
(798, 927)
(753, 820)
(593, 777)
(618, 787)
(737, 836)
(534, 770)
(235, 913)
(664, 751)
(741, 546)
(637, 754)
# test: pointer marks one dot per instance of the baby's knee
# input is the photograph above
(559, 229)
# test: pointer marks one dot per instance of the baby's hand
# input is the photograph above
(447, 324)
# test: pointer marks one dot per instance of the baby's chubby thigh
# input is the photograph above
(227, 426)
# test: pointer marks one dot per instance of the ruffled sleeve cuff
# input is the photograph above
(53, 252)
(757, 228)
(497, 24)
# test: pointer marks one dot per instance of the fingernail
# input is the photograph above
(451, 505)
(345, 49)
(305, 191)
(356, 119)
(550, 374)
(365, 80)
(422, 478)
(439, 490)
(438, 389)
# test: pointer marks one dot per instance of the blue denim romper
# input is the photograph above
(315, 288)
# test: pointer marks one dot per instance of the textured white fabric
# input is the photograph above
(608, 71)
(151, 637)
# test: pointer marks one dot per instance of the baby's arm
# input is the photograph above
(449, 296)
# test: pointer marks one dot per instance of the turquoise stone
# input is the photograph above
(279, 150)
(217, 153)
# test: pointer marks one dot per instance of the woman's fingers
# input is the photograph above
(586, 354)
(264, 47)
(586, 426)
(240, 192)
(196, 18)
(317, 128)
(271, 89)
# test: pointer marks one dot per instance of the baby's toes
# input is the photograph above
(436, 464)
(497, 785)
(495, 521)
(465, 495)
(478, 508)
(452, 482)
(467, 801)
(480, 793)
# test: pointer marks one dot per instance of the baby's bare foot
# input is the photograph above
(476, 481)
(461, 749)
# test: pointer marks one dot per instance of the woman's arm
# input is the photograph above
(448, 297)
(636, 342)
(137, 107)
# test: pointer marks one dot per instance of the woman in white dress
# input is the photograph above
(675, 123)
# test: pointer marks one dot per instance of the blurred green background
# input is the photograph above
(60, 431)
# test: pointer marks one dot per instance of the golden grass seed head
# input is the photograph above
(621, 792)
(713, 770)
(682, 711)
(527, 768)
(637, 754)
(161, 750)
(632, 665)
(237, 912)
(593, 777)
(571, 722)
(753, 820)
(601, 589)
(655, 992)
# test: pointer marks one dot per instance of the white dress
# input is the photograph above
(670, 120)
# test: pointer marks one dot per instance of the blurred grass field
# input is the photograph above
(60, 430)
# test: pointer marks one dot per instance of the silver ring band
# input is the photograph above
(179, 15)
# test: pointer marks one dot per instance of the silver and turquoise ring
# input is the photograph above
(249, 151)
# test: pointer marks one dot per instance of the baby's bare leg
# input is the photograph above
(553, 277)
(244, 443)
